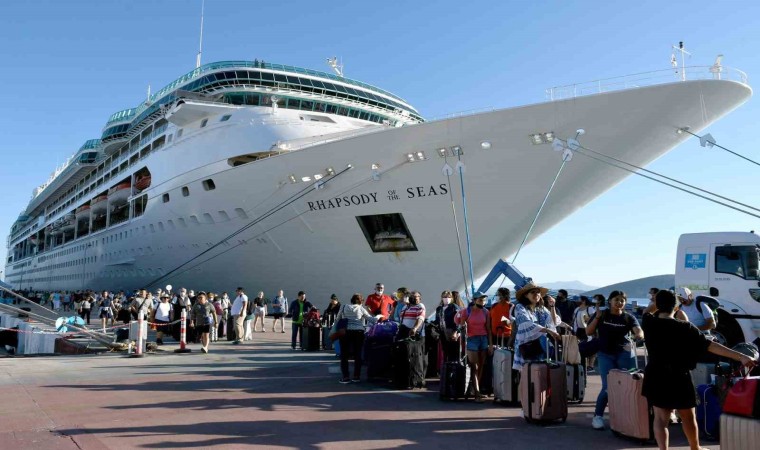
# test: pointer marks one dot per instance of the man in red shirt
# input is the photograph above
(379, 303)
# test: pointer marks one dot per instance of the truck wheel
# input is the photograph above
(728, 332)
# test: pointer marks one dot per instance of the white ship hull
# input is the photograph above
(317, 245)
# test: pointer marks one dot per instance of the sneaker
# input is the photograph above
(597, 423)
(263, 330)
(204, 350)
(344, 381)
(590, 370)
(283, 331)
(235, 342)
(356, 380)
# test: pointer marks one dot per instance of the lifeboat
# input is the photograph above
(55, 228)
(119, 193)
(83, 212)
(98, 203)
(142, 182)
(68, 222)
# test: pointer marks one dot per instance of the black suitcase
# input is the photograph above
(409, 363)
(377, 354)
(432, 340)
(486, 382)
(576, 382)
(327, 344)
(455, 379)
(231, 329)
(312, 337)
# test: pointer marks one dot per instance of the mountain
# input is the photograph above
(569, 286)
(638, 288)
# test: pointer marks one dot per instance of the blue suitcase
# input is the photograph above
(708, 412)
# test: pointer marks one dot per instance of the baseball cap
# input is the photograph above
(684, 292)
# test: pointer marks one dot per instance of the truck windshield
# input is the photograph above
(739, 260)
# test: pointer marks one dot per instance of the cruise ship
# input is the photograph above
(269, 176)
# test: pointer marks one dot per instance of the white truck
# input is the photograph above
(726, 266)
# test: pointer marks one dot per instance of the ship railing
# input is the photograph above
(467, 112)
(643, 79)
(291, 147)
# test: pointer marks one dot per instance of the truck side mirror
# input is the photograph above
(714, 292)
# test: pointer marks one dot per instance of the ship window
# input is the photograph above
(204, 122)
(209, 185)
(185, 191)
(225, 118)
(387, 233)
(241, 213)
(171, 136)
(179, 133)
(166, 198)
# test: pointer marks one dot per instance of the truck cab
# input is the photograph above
(726, 266)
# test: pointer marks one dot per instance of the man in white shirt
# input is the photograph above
(700, 315)
(238, 311)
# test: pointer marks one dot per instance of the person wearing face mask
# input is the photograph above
(378, 303)
(413, 317)
(445, 314)
(479, 339)
(501, 325)
(402, 302)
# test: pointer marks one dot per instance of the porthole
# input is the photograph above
(204, 122)
(225, 118)
(209, 185)
(185, 191)
(166, 198)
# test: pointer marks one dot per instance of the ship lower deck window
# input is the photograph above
(387, 233)
(209, 185)
(166, 198)
(185, 191)
(225, 118)
(204, 122)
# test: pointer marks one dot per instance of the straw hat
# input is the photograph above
(529, 287)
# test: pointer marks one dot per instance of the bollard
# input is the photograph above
(183, 333)
(138, 353)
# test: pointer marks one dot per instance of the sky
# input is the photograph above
(66, 66)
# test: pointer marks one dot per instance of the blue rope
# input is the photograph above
(535, 219)
(466, 227)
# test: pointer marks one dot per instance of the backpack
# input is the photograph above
(711, 303)
(312, 318)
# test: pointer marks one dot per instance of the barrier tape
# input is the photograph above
(73, 333)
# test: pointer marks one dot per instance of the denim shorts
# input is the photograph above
(477, 343)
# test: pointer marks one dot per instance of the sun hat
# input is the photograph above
(521, 291)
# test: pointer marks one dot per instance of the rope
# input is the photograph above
(466, 227)
(668, 184)
(456, 225)
(723, 148)
(541, 208)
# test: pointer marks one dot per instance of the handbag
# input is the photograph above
(531, 349)
(743, 398)
(571, 353)
(338, 329)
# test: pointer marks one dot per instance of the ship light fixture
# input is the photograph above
(330, 171)
(292, 178)
(542, 138)
(410, 157)
(305, 179)
(485, 145)
(375, 166)
(420, 156)
(457, 150)
(318, 176)
(442, 152)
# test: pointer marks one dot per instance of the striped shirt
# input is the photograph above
(528, 328)
(355, 314)
(410, 315)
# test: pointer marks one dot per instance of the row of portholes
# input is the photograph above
(208, 185)
(124, 273)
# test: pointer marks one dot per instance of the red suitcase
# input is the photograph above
(630, 413)
(543, 390)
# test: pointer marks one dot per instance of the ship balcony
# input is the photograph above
(644, 79)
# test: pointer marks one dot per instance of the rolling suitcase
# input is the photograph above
(377, 354)
(708, 411)
(486, 379)
(311, 338)
(455, 379)
(630, 413)
(409, 363)
(505, 379)
(576, 382)
(327, 344)
(543, 390)
(231, 329)
(738, 433)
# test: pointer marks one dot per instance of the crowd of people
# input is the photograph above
(676, 326)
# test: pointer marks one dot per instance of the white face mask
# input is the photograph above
(379, 291)
(446, 300)
(405, 299)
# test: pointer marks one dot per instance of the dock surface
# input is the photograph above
(260, 394)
